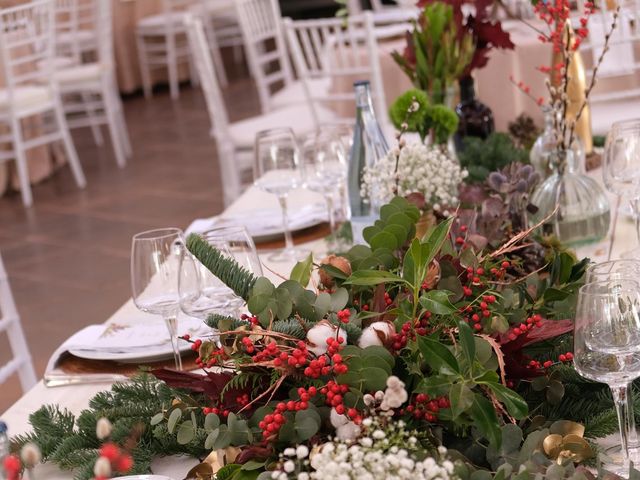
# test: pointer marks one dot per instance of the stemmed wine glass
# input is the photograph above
(344, 132)
(611, 271)
(277, 169)
(607, 343)
(325, 164)
(201, 292)
(155, 263)
(622, 169)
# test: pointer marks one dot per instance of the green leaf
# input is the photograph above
(384, 239)
(437, 302)
(438, 236)
(369, 232)
(306, 425)
(375, 378)
(461, 398)
(437, 355)
(211, 422)
(467, 341)
(157, 418)
(174, 418)
(301, 272)
(339, 299)
(485, 419)
(372, 277)
(435, 385)
(253, 465)
(514, 403)
(378, 352)
(186, 433)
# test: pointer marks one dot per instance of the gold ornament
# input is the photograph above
(576, 90)
(565, 443)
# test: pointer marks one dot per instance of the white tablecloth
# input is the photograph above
(75, 398)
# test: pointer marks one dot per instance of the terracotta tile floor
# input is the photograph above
(68, 256)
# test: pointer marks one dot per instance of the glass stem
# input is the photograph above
(635, 207)
(332, 217)
(172, 325)
(288, 240)
(620, 402)
(632, 434)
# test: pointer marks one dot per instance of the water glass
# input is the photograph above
(607, 343)
(201, 292)
(155, 263)
(277, 169)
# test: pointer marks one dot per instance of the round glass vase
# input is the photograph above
(583, 213)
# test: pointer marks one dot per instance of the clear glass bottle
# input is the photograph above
(544, 146)
(583, 212)
(369, 146)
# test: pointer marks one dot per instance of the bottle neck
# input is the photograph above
(467, 90)
(363, 97)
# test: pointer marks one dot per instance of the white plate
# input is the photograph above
(143, 477)
(151, 354)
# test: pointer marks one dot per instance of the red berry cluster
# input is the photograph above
(12, 467)
(479, 311)
(271, 423)
(531, 322)
(400, 340)
(253, 320)
(119, 459)
(243, 399)
(216, 410)
(272, 351)
(214, 358)
(344, 315)
(564, 357)
(317, 367)
(387, 299)
(423, 407)
(333, 393)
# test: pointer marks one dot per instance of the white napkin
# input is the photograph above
(266, 221)
(116, 338)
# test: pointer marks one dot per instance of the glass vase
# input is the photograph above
(581, 206)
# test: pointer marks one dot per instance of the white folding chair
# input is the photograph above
(235, 141)
(261, 24)
(326, 49)
(161, 43)
(617, 93)
(20, 362)
(26, 53)
(90, 91)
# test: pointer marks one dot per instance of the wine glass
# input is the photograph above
(325, 165)
(607, 343)
(277, 169)
(201, 292)
(621, 170)
(155, 263)
(611, 271)
(343, 131)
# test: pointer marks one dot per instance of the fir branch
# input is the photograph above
(214, 319)
(353, 332)
(242, 380)
(293, 327)
(232, 274)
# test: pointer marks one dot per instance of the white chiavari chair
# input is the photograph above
(616, 96)
(235, 141)
(325, 49)
(75, 29)
(269, 62)
(161, 43)
(26, 54)
(90, 91)
(20, 361)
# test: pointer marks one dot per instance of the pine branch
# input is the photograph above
(214, 319)
(295, 327)
(233, 275)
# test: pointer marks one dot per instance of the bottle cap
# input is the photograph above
(3, 427)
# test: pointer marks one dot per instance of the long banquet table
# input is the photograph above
(75, 398)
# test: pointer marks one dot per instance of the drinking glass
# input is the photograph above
(607, 343)
(155, 263)
(343, 131)
(325, 166)
(621, 170)
(611, 271)
(201, 292)
(277, 169)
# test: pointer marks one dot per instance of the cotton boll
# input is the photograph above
(30, 454)
(337, 420)
(378, 333)
(317, 336)
(102, 467)
(348, 432)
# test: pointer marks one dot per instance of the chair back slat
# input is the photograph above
(26, 31)
(332, 48)
(20, 361)
(261, 25)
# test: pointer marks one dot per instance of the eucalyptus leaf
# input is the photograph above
(174, 418)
